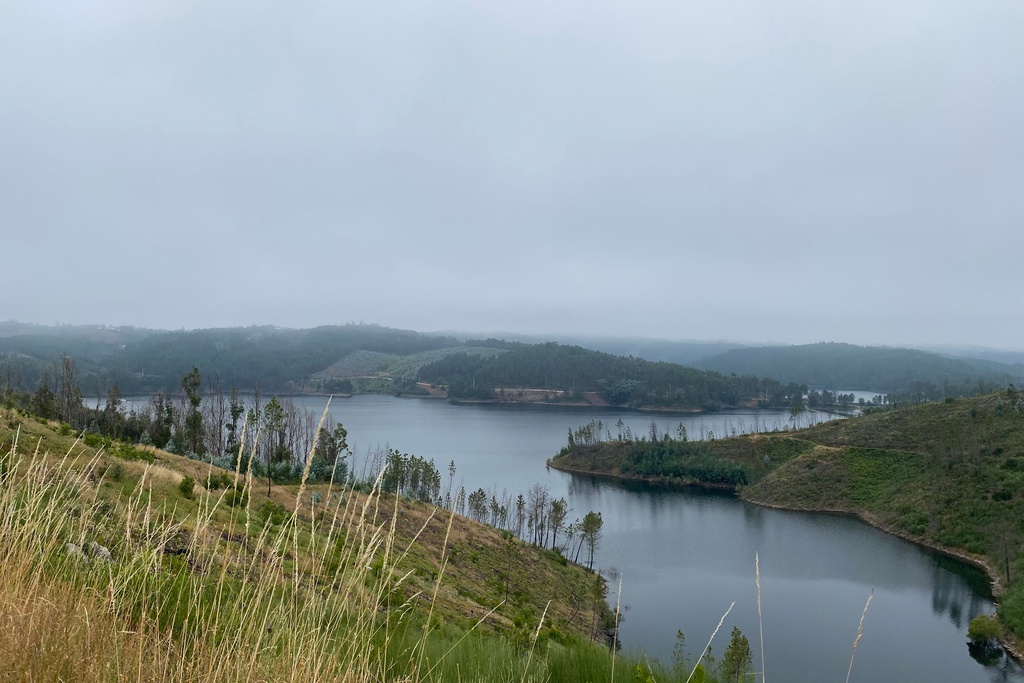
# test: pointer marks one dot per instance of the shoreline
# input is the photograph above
(1013, 647)
(592, 406)
(651, 481)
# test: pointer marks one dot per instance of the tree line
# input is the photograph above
(276, 437)
(278, 360)
(658, 454)
(201, 421)
(535, 516)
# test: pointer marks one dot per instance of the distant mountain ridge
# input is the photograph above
(140, 360)
(273, 358)
(847, 366)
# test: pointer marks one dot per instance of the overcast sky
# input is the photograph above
(793, 170)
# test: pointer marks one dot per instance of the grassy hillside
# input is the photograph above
(227, 583)
(948, 474)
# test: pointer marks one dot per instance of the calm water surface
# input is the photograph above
(685, 555)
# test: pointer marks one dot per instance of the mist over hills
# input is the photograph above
(284, 359)
(846, 366)
(683, 352)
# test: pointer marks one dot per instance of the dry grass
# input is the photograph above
(207, 610)
(203, 590)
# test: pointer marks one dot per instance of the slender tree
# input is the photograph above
(591, 529)
(556, 518)
(193, 440)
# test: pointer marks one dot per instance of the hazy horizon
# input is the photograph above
(561, 335)
(798, 172)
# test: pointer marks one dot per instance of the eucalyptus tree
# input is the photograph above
(193, 425)
(591, 531)
(556, 518)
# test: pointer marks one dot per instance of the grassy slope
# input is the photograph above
(952, 473)
(949, 475)
(184, 561)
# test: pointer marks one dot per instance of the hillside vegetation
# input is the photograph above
(948, 474)
(150, 566)
(368, 358)
(140, 361)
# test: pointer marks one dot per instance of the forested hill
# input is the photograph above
(620, 380)
(269, 357)
(669, 351)
(273, 358)
(361, 357)
(922, 374)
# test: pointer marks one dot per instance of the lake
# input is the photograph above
(685, 555)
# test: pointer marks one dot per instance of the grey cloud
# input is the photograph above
(796, 171)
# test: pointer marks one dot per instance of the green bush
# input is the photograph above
(93, 440)
(187, 487)
(983, 628)
(273, 513)
(237, 497)
(126, 451)
(219, 481)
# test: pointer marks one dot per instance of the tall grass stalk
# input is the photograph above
(615, 636)
(710, 640)
(760, 623)
(536, 636)
(860, 633)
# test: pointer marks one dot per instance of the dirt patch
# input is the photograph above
(433, 389)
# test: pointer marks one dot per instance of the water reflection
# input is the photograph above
(1002, 669)
(952, 594)
(685, 553)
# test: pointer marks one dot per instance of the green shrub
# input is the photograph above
(126, 451)
(237, 497)
(187, 487)
(983, 628)
(93, 440)
(273, 513)
(219, 481)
